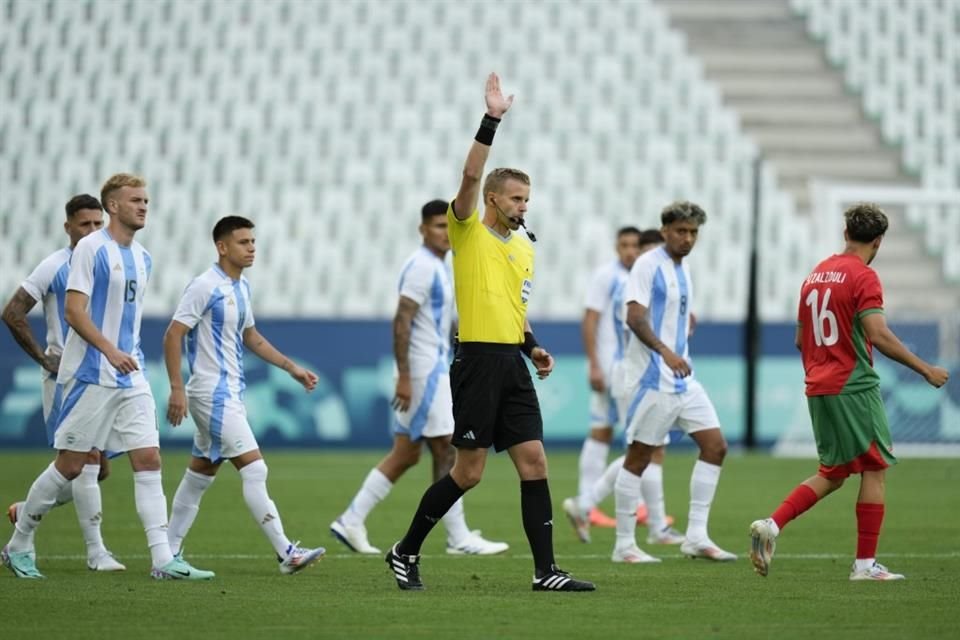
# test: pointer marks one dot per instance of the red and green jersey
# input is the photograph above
(837, 357)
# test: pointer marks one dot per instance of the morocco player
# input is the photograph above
(840, 321)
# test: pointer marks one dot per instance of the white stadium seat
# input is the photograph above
(902, 57)
(330, 123)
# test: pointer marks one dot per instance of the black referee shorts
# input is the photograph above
(494, 402)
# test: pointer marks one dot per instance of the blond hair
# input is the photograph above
(118, 181)
(496, 179)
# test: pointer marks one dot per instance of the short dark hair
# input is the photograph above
(82, 201)
(650, 236)
(228, 224)
(683, 210)
(622, 231)
(433, 208)
(866, 222)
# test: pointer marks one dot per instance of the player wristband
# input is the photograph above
(488, 127)
(529, 343)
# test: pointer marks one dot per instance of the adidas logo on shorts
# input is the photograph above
(469, 436)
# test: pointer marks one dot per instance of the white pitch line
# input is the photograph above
(518, 556)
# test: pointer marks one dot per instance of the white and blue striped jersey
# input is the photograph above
(605, 296)
(217, 310)
(47, 284)
(426, 279)
(115, 279)
(666, 290)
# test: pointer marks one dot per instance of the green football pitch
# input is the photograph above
(806, 595)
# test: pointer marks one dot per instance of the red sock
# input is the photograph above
(799, 500)
(869, 519)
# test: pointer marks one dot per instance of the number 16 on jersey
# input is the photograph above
(824, 322)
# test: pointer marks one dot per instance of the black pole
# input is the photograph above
(751, 338)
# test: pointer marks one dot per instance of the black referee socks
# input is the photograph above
(538, 522)
(434, 504)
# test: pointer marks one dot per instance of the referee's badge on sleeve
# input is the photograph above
(525, 291)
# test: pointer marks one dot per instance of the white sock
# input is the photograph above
(152, 509)
(40, 499)
(186, 505)
(264, 511)
(66, 494)
(602, 488)
(87, 502)
(627, 493)
(593, 460)
(703, 486)
(456, 524)
(652, 487)
(862, 564)
(375, 488)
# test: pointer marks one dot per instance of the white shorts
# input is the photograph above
(623, 406)
(603, 409)
(222, 428)
(49, 389)
(431, 409)
(651, 414)
(87, 416)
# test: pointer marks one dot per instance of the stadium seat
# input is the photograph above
(331, 123)
(901, 57)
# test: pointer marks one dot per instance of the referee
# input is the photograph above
(494, 402)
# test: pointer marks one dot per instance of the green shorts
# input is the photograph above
(852, 433)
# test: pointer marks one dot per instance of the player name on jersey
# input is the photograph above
(826, 277)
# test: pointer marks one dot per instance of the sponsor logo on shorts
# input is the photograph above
(469, 435)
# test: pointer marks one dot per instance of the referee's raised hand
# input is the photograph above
(543, 361)
(497, 105)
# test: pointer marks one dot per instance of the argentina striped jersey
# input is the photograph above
(426, 279)
(605, 296)
(217, 310)
(666, 290)
(114, 277)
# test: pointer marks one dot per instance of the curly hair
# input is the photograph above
(865, 222)
(683, 210)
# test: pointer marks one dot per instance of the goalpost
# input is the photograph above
(924, 422)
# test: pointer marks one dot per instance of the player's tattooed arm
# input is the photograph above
(15, 317)
(402, 326)
(640, 326)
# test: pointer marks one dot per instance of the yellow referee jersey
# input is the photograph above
(492, 277)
